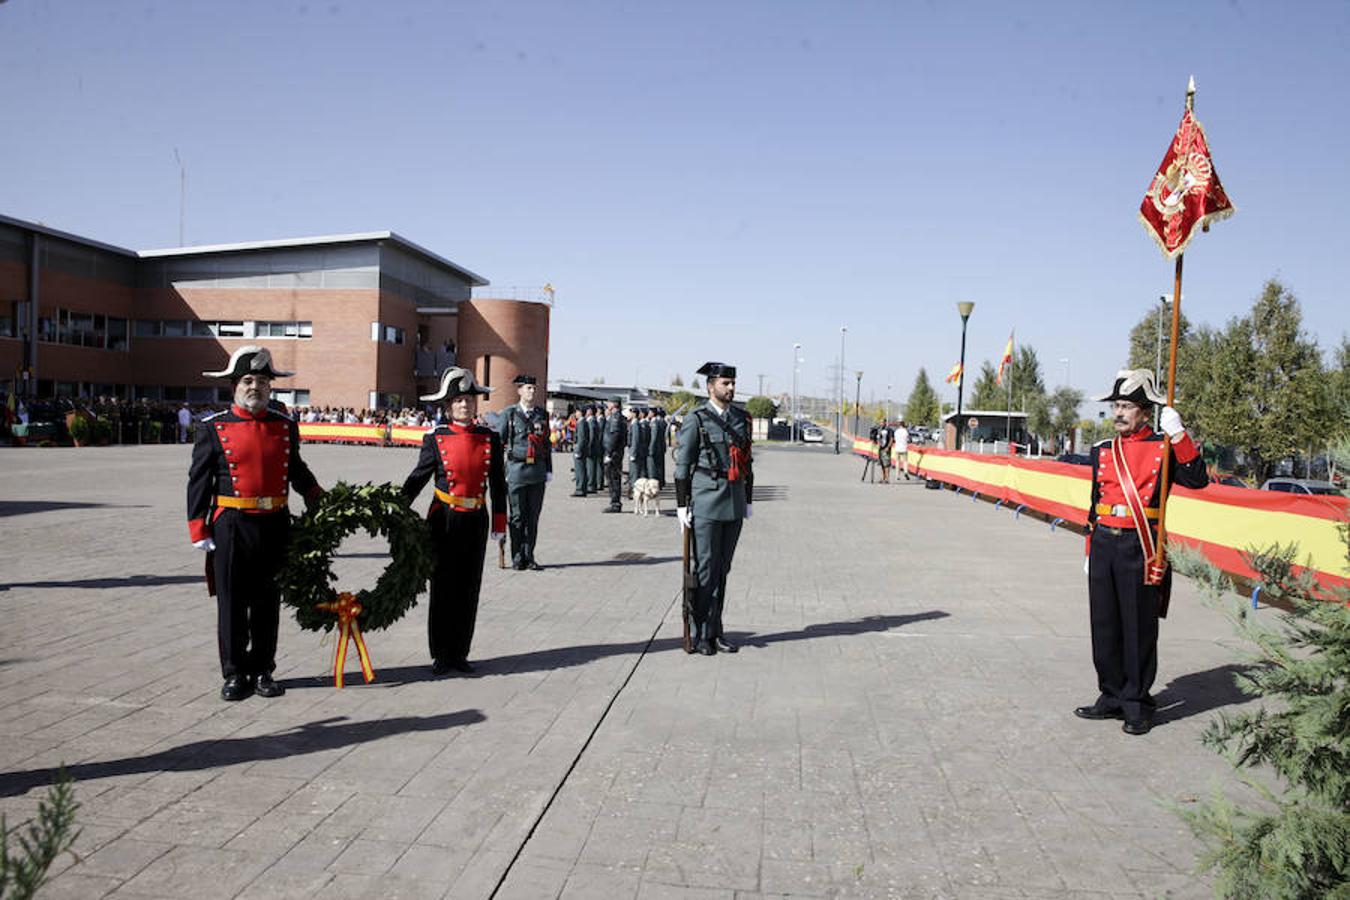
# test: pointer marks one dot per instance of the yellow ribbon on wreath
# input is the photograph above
(346, 608)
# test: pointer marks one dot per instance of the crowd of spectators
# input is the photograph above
(347, 415)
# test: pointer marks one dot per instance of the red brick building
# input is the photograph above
(364, 320)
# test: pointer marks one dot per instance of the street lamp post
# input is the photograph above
(839, 415)
(964, 308)
(796, 353)
(857, 404)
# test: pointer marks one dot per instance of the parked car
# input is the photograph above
(1230, 480)
(812, 435)
(1300, 486)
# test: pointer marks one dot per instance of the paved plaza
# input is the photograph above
(898, 721)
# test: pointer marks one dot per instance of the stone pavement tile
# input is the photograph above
(807, 879)
(530, 881)
(625, 841)
(702, 865)
(187, 825)
(286, 884)
(712, 825)
(72, 885)
(597, 882)
(366, 857)
(433, 864)
(651, 890)
(312, 853)
(123, 858)
(479, 876)
(212, 873)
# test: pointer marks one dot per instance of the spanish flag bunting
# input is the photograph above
(1006, 361)
(955, 374)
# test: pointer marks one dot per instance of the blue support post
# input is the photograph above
(998, 504)
(1017, 513)
(1256, 592)
(1056, 522)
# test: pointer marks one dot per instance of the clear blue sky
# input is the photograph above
(715, 180)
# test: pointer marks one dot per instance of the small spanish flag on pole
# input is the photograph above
(954, 375)
(548, 289)
(1007, 359)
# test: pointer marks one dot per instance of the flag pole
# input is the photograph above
(1010, 374)
(1160, 552)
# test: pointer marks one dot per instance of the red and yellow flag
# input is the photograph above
(1185, 193)
(954, 375)
(1006, 361)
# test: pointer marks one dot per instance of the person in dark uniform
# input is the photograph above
(885, 440)
(714, 493)
(615, 442)
(1126, 594)
(656, 465)
(244, 462)
(639, 446)
(465, 461)
(595, 466)
(529, 466)
(581, 454)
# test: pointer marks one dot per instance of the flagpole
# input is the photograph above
(1160, 552)
(1010, 374)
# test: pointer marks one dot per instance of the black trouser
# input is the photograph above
(714, 547)
(614, 475)
(527, 501)
(460, 543)
(250, 551)
(1124, 623)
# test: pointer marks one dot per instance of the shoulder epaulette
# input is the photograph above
(214, 414)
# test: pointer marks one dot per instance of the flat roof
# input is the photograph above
(283, 243)
(65, 236)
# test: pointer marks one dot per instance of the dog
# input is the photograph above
(647, 496)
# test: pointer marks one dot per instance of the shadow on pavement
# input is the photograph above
(579, 655)
(311, 737)
(127, 581)
(1201, 692)
(25, 507)
(644, 561)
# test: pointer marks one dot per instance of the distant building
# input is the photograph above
(981, 425)
(365, 320)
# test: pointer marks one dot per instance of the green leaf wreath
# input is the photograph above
(379, 510)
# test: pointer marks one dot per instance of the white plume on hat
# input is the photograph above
(249, 360)
(1131, 384)
(456, 381)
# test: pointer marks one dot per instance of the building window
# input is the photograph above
(387, 333)
(285, 329)
(147, 328)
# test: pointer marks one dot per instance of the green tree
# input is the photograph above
(1259, 385)
(1338, 392)
(1027, 382)
(46, 837)
(1144, 344)
(677, 381)
(988, 393)
(1297, 843)
(761, 408)
(1064, 403)
(694, 384)
(922, 406)
(680, 400)
(1040, 416)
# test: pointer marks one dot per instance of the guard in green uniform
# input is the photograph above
(656, 458)
(714, 490)
(615, 441)
(529, 466)
(581, 454)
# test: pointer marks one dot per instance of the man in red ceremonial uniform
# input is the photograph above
(466, 461)
(1126, 594)
(244, 462)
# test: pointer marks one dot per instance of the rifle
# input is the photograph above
(690, 587)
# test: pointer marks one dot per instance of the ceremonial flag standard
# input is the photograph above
(1006, 361)
(1185, 193)
(954, 375)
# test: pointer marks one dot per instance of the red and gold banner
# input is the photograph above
(1185, 193)
(336, 432)
(1221, 522)
(1005, 361)
(954, 375)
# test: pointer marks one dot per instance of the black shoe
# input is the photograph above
(1097, 711)
(534, 566)
(1137, 726)
(704, 649)
(576, 494)
(612, 509)
(439, 668)
(462, 666)
(236, 687)
(723, 645)
(266, 687)
(518, 565)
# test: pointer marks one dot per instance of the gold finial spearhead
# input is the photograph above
(1190, 94)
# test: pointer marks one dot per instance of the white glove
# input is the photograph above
(1085, 564)
(1170, 420)
(606, 459)
(205, 544)
(685, 516)
(548, 476)
(749, 510)
(497, 536)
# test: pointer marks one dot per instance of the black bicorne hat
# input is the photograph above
(524, 379)
(249, 360)
(456, 381)
(1136, 386)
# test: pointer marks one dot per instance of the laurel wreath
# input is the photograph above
(379, 510)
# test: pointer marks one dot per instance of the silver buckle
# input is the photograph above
(1120, 510)
(264, 503)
